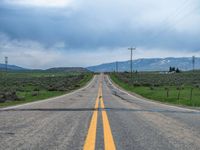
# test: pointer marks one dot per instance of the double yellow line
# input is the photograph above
(91, 136)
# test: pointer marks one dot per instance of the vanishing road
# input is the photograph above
(99, 116)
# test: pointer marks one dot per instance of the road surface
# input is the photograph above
(99, 116)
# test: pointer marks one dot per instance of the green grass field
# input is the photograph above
(157, 87)
(24, 87)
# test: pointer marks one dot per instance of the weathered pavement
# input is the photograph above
(99, 116)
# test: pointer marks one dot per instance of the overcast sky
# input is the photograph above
(48, 33)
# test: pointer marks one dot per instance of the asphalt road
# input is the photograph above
(99, 116)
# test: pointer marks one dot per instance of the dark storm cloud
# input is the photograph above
(86, 29)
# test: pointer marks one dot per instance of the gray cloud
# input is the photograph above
(90, 26)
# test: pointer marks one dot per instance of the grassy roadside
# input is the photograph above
(30, 92)
(159, 93)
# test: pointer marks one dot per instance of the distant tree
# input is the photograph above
(178, 70)
(171, 69)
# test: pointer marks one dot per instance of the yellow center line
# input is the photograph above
(108, 138)
(91, 136)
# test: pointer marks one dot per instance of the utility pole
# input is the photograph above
(6, 64)
(193, 62)
(6, 69)
(131, 62)
(117, 66)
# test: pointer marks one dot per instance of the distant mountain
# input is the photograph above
(68, 69)
(57, 69)
(12, 67)
(149, 64)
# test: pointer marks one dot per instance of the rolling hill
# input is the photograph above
(12, 67)
(67, 69)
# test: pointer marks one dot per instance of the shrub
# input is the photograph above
(36, 89)
(8, 96)
(137, 84)
(152, 88)
(34, 93)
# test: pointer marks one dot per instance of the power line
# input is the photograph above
(168, 28)
(165, 21)
(176, 12)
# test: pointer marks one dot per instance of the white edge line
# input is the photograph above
(149, 101)
(50, 99)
